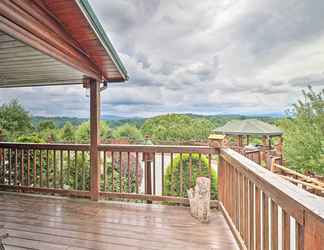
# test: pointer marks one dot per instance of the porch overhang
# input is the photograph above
(54, 42)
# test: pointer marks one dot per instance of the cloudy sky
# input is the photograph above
(208, 57)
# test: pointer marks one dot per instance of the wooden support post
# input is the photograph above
(148, 179)
(94, 138)
(240, 140)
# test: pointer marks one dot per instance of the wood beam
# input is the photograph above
(94, 139)
(37, 29)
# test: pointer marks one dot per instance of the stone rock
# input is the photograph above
(199, 199)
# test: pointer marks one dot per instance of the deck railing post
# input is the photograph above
(312, 233)
(94, 138)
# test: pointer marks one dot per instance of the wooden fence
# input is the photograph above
(126, 171)
(262, 208)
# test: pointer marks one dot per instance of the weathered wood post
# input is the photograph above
(218, 142)
(2, 169)
(147, 158)
(94, 138)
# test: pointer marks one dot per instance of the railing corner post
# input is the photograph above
(217, 142)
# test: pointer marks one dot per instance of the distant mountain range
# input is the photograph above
(115, 121)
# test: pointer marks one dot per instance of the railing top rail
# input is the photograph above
(284, 192)
(113, 147)
(45, 146)
(158, 148)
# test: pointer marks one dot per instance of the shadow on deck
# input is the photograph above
(42, 222)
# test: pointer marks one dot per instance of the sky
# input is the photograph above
(204, 57)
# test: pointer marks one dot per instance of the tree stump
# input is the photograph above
(199, 199)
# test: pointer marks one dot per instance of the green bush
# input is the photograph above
(172, 175)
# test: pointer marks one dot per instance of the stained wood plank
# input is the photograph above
(79, 224)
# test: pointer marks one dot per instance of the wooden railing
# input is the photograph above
(262, 209)
(45, 168)
(254, 155)
(126, 171)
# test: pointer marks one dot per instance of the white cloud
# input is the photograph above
(226, 56)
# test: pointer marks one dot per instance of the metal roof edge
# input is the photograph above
(103, 37)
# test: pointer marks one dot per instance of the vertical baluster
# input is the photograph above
(121, 188)
(231, 193)
(136, 174)
(76, 170)
(237, 198)
(83, 170)
(209, 169)
(246, 210)
(22, 168)
(54, 166)
(35, 168)
(251, 215)
(154, 185)
(47, 168)
(299, 234)
(128, 172)
(265, 221)
(241, 190)
(105, 170)
(234, 196)
(10, 166)
(3, 168)
(200, 165)
(257, 219)
(61, 168)
(162, 170)
(28, 167)
(181, 176)
(41, 168)
(69, 167)
(274, 225)
(16, 167)
(172, 181)
(285, 230)
(227, 187)
(112, 171)
(190, 171)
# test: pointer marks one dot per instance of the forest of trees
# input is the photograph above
(303, 129)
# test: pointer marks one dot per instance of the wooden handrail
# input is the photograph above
(303, 177)
(46, 146)
(114, 147)
(244, 212)
(122, 169)
(158, 148)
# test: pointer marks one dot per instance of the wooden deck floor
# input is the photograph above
(39, 222)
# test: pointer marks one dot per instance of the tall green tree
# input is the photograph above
(82, 134)
(14, 120)
(127, 131)
(304, 133)
(177, 127)
(68, 132)
(46, 125)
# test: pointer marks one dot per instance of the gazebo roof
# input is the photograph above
(249, 127)
(54, 42)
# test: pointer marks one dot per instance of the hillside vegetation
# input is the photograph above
(303, 127)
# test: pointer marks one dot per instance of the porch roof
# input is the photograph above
(50, 42)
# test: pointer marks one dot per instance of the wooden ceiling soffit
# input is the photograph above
(30, 23)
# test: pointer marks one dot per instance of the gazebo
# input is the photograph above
(250, 127)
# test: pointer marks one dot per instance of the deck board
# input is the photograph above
(39, 222)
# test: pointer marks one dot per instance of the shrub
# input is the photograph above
(172, 175)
